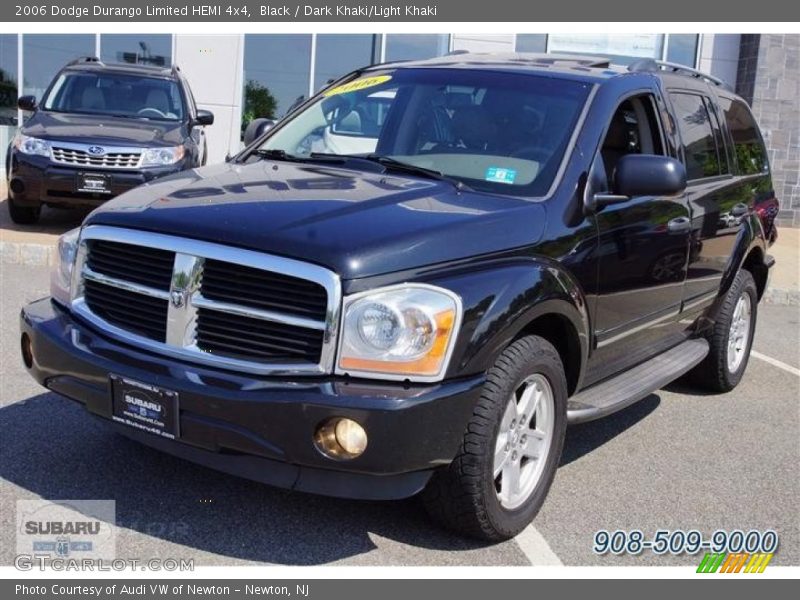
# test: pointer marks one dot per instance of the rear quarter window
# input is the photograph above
(748, 146)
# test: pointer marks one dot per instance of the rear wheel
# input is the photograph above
(512, 446)
(731, 338)
(23, 215)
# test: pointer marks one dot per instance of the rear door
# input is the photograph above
(715, 200)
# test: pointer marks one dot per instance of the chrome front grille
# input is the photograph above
(208, 303)
(96, 156)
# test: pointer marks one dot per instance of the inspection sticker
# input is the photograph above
(358, 84)
(500, 175)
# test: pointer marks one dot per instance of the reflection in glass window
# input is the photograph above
(339, 54)
(144, 49)
(416, 46)
(531, 42)
(8, 81)
(682, 48)
(694, 124)
(45, 54)
(276, 72)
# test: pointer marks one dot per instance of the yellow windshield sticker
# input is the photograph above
(358, 84)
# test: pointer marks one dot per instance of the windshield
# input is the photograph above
(120, 95)
(499, 132)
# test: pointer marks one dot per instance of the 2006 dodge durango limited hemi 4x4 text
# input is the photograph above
(100, 130)
(416, 280)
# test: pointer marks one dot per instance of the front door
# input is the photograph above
(642, 252)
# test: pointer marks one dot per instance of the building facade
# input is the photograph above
(264, 74)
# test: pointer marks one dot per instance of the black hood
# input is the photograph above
(358, 224)
(102, 129)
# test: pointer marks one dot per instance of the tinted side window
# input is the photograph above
(699, 147)
(747, 144)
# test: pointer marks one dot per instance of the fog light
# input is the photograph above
(27, 350)
(17, 186)
(341, 438)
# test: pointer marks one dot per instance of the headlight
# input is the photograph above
(31, 145)
(61, 276)
(162, 157)
(403, 332)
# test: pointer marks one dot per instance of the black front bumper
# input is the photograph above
(263, 428)
(34, 180)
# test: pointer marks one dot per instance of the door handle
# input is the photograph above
(679, 225)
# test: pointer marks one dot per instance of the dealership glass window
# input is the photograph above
(276, 72)
(8, 83)
(339, 54)
(699, 148)
(621, 49)
(8, 92)
(45, 54)
(682, 48)
(146, 49)
(414, 46)
(531, 42)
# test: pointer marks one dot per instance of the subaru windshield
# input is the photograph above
(492, 131)
(116, 94)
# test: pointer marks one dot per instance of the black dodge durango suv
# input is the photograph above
(100, 130)
(420, 277)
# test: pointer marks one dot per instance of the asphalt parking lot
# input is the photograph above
(678, 459)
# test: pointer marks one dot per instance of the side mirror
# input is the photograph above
(649, 175)
(27, 102)
(257, 128)
(644, 175)
(204, 117)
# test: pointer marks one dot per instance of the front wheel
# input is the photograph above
(511, 448)
(23, 215)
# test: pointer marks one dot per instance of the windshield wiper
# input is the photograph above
(392, 164)
(280, 154)
(275, 154)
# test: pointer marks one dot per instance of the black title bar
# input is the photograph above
(377, 11)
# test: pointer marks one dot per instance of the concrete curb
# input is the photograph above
(43, 255)
(21, 253)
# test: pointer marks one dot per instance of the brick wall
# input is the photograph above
(769, 78)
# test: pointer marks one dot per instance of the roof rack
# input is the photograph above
(652, 65)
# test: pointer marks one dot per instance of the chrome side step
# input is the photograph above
(614, 394)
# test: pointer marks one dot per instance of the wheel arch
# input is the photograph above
(529, 297)
(749, 253)
(563, 335)
(755, 263)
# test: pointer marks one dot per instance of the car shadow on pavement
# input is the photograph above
(52, 221)
(586, 437)
(53, 448)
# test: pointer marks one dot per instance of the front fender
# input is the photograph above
(501, 299)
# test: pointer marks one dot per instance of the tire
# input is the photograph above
(466, 496)
(23, 215)
(717, 373)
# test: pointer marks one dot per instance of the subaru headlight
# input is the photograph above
(162, 157)
(31, 145)
(399, 332)
(61, 276)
